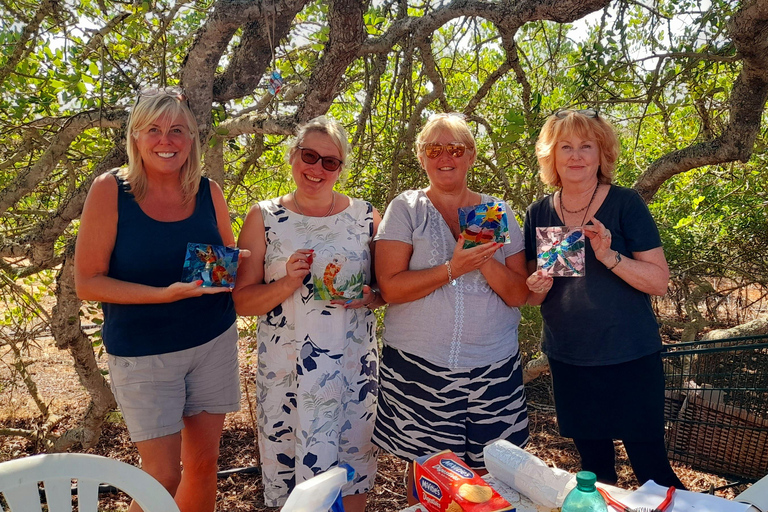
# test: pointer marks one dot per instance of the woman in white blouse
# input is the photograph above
(450, 372)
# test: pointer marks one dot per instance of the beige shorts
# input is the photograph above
(156, 392)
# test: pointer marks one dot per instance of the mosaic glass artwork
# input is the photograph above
(334, 279)
(215, 265)
(560, 251)
(484, 223)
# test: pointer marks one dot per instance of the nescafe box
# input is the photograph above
(445, 484)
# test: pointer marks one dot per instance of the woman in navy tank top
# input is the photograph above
(172, 346)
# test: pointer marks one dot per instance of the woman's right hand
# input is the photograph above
(298, 266)
(539, 282)
(464, 260)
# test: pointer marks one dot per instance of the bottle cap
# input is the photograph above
(586, 479)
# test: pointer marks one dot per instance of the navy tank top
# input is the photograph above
(151, 252)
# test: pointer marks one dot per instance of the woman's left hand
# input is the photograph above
(464, 260)
(369, 297)
(600, 240)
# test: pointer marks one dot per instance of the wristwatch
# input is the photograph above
(618, 260)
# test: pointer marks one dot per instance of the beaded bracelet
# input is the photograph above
(448, 266)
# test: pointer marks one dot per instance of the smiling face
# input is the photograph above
(576, 159)
(313, 179)
(164, 145)
(446, 171)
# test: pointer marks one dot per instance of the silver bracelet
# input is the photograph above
(448, 266)
(373, 300)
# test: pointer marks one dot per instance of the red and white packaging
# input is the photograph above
(445, 484)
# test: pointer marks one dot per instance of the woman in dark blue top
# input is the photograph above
(600, 332)
(172, 346)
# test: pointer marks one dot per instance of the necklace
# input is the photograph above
(330, 210)
(562, 208)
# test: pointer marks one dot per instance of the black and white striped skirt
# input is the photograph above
(424, 408)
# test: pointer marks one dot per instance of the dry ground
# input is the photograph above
(58, 384)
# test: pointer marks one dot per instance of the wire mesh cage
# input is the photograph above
(716, 406)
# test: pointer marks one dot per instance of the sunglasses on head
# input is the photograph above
(310, 156)
(176, 92)
(588, 112)
(434, 150)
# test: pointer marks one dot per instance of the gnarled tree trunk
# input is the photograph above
(68, 333)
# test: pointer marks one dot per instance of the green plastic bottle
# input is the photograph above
(584, 497)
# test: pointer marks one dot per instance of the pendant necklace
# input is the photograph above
(563, 209)
(298, 206)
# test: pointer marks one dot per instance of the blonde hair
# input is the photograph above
(327, 126)
(588, 128)
(451, 122)
(148, 110)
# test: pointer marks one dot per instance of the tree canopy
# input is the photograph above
(684, 82)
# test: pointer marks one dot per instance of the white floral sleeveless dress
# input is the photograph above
(318, 363)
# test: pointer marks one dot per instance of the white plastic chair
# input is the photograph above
(19, 483)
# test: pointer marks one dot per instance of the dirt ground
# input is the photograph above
(58, 385)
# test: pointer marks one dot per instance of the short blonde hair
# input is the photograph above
(327, 126)
(451, 122)
(575, 123)
(148, 109)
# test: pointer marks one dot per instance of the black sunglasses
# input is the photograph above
(176, 92)
(455, 149)
(310, 156)
(588, 112)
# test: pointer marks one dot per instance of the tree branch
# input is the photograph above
(253, 56)
(23, 46)
(199, 67)
(28, 179)
(748, 28)
(96, 41)
(38, 245)
(345, 36)
(257, 123)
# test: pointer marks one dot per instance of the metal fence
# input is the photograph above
(716, 406)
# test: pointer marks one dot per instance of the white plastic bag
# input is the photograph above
(528, 474)
(319, 493)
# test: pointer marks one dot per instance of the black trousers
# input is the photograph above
(648, 458)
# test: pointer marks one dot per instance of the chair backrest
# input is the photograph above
(19, 483)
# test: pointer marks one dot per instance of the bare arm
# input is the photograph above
(398, 284)
(252, 295)
(508, 279)
(646, 271)
(95, 243)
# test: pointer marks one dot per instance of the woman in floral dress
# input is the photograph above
(309, 281)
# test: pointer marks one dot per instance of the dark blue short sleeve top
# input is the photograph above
(151, 252)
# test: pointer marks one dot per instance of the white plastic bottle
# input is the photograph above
(321, 492)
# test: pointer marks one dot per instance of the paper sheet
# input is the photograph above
(651, 495)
